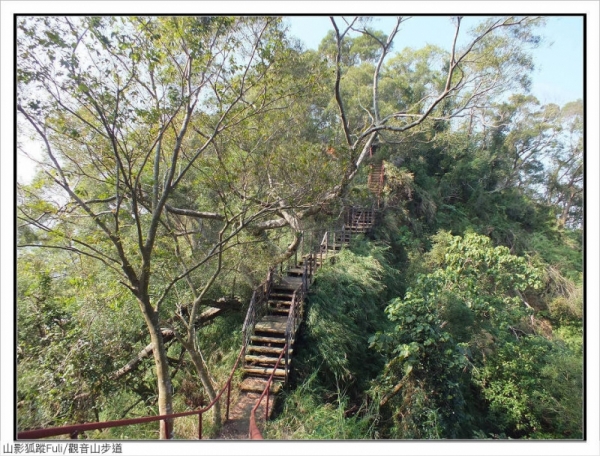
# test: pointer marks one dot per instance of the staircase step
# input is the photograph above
(279, 310)
(272, 327)
(273, 318)
(265, 371)
(290, 285)
(258, 385)
(268, 340)
(281, 296)
(270, 360)
(270, 350)
(295, 271)
(317, 262)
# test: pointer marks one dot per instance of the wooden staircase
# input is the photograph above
(269, 337)
(276, 310)
(274, 327)
(376, 180)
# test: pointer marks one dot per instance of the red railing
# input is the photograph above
(257, 307)
(74, 430)
(292, 324)
(254, 432)
(259, 299)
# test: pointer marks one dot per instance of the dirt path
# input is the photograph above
(237, 427)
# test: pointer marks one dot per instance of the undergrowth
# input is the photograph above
(333, 362)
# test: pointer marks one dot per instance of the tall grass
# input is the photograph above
(333, 365)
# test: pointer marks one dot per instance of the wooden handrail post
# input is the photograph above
(287, 357)
(334, 236)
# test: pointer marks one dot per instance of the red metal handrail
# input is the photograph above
(74, 430)
(254, 432)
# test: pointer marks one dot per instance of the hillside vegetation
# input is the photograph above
(182, 157)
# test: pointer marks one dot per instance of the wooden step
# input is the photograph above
(264, 371)
(281, 296)
(282, 291)
(289, 285)
(295, 271)
(280, 302)
(268, 340)
(317, 262)
(258, 385)
(269, 360)
(279, 310)
(270, 350)
(272, 327)
(273, 318)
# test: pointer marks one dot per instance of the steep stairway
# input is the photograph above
(278, 325)
(276, 311)
(376, 180)
(269, 338)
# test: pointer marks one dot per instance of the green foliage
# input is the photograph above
(67, 343)
(345, 307)
(305, 415)
(533, 388)
(461, 333)
(333, 364)
(563, 250)
(225, 115)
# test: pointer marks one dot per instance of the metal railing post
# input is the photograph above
(200, 426)
(228, 399)
(167, 429)
(267, 404)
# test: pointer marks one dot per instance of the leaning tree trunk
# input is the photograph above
(205, 379)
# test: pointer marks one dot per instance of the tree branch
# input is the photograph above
(195, 214)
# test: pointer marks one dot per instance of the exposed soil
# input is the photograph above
(237, 427)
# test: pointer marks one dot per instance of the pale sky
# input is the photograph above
(558, 77)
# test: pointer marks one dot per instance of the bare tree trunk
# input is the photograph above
(564, 216)
(163, 377)
(167, 335)
(202, 370)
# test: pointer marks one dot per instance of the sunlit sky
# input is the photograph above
(553, 81)
(557, 78)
